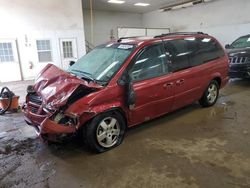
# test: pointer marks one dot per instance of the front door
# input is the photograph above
(152, 83)
(9, 62)
(68, 51)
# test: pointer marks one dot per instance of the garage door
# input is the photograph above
(9, 63)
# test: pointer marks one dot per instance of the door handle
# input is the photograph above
(168, 85)
(180, 82)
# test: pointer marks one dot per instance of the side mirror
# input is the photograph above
(126, 81)
(123, 80)
(131, 96)
(227, 46)
(71, 63)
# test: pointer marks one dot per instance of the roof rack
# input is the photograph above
(180, 33)
(122, 38)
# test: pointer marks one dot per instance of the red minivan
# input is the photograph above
(124, 83)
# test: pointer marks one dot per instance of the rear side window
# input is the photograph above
(150, 63)
(204, 50)
(190, 52)
(178, 53)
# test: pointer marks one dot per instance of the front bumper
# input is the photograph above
(239, 71)
(39, 118)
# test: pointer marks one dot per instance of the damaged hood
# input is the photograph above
(56, 86)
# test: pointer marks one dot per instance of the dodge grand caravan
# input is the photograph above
(124, 83)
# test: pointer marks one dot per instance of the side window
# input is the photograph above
(178, 54)
(206, 50)
(150, 63)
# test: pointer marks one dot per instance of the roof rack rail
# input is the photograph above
(180, 33)
(122, 38)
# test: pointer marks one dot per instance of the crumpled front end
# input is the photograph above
(48, 124)
(47, 102)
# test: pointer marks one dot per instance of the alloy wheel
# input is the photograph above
(108, 132)
(212, 93)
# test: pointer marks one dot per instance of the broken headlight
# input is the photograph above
(64, 119)
(30, 89)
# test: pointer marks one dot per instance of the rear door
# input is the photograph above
(186, 84)
(152, 83)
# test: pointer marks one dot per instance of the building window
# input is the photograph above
(67, 49)
(6, 52)
(44, 50)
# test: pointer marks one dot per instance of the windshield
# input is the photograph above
(242, 42)
(102, 62)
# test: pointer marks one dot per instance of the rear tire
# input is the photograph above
(105, 131)
(211, 94)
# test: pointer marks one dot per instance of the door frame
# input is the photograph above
(16, 54)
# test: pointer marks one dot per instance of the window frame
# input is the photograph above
(13, 46)
(72, 50)
(138, 54)
(188, 59)
(212, 41)
(51, 50)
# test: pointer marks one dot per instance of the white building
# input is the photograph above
(35, 33)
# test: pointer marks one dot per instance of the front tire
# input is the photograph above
(211, 94)
(105, 131)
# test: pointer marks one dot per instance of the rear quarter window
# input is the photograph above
(204, 50)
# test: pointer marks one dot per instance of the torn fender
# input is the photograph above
(86, 112)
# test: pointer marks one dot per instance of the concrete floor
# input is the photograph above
(193, 147)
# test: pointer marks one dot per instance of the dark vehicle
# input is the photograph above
(239, 57)
(122, 84)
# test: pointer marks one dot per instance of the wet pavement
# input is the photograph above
(193, 147)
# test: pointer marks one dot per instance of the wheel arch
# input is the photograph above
(120, 111)
(218, 80)
(97, 111)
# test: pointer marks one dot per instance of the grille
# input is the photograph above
(35, 103)
(238, 60)
(35, 99)
(33, 109)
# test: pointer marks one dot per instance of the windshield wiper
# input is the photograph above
(102, 82)
(85, 75)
